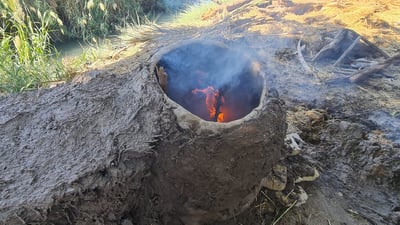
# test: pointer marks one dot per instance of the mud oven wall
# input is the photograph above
(208, 171)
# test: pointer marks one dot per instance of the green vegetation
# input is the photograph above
(29, 60)
(29, 29)
(89, 19)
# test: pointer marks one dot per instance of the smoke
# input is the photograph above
(205, 63)
(199, 65)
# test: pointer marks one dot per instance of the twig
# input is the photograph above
(303, 62)
(362, 63)
(365, 73)
(118, 52)
(269, 199)
(22, 221)
(345, 53)
(345, 71)
(284, 213)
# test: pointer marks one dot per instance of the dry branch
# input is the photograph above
(344, 42)
(334, 45)
(365, 73)
(236, 5)
(345, 53)
(303, 62)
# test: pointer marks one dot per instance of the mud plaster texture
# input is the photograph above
(77, 154)
(111, 148)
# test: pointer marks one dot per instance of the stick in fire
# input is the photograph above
(219, 116)
(162, 77)
(214, 100)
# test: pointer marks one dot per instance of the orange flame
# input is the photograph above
(212, 96)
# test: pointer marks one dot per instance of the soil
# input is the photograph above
(350, 131)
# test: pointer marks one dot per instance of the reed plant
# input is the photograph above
(28, 59)
(28, 30)
(90, 19)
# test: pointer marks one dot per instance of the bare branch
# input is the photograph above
(303, 62)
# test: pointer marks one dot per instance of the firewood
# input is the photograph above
(224, 8)
(362, 75)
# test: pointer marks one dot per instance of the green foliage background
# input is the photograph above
(29, 29)
(28, 59)
(98, 18)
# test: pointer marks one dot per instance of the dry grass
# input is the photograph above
(192, 16)
(378, 21)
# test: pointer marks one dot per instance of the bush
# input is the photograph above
(28, 58)
(29, 28)
(98, 18)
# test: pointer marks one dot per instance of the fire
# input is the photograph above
(213, 102)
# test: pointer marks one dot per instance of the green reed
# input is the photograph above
(29, 60)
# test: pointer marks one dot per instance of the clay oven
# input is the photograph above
(229, 133)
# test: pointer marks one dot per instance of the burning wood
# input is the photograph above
(213, 101)
(219, 116)
(221, 86)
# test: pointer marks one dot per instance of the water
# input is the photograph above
(176, 5)
(72, 48)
